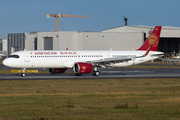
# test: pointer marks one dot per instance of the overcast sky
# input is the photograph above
(20, 16)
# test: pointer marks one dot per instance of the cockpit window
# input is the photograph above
(14, 56)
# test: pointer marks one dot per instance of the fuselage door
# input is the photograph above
(26, 57)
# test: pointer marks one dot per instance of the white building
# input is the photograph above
(72, 40)
(124, 37)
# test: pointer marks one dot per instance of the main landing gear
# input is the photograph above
(95, 72)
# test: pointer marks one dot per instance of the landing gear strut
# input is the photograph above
(95, 72)
(23, 73)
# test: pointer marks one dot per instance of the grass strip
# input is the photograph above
(90, 99)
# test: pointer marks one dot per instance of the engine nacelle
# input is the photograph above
(82, 68)
(57, 70)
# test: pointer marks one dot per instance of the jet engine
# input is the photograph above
(57, 70)
(82, 68)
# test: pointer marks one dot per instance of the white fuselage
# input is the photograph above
(66, 59)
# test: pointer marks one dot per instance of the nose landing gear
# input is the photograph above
(23, 72)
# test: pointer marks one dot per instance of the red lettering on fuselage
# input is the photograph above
(45, 53)
(55, 53)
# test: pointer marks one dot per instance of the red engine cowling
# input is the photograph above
(82, 68)
(57, 70)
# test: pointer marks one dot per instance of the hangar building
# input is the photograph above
(169, 38)
(124, 37)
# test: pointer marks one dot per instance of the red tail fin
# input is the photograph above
(153, 40)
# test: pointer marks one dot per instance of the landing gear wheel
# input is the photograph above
(78, 74)
(23, 74)
(95, 73)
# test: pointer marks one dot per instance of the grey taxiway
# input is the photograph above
(105, 74)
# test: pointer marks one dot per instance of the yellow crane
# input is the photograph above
(64, 15)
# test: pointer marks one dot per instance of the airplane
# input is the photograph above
(84, 61)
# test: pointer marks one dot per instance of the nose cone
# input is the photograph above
(7, 62)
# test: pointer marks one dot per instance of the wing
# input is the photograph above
(108, 61)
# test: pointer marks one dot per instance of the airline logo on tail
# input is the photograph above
(153, 40)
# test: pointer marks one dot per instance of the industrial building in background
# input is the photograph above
(123, 37)
(169, 39)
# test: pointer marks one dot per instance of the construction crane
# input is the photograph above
(64, 15)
